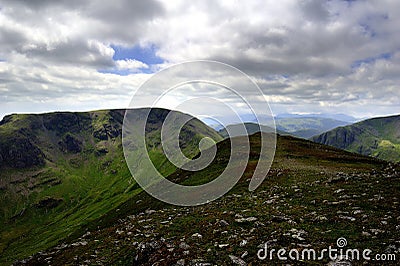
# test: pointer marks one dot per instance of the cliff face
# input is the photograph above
(29, 140)
(340, 137)
(19, 152)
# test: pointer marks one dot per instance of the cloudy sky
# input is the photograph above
(307, 56)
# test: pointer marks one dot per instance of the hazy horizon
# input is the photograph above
(245, 117)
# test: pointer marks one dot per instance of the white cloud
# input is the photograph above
(307, 56)
(130, 64)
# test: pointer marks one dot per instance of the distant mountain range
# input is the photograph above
(301, 125)
(377, 137)
(306, 127)
(298, 126)
(339, 117)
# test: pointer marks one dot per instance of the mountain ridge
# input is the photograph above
(68, 168)
(378, 137)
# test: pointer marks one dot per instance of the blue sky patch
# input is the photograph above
(367, 30)
(121, 72)
(146, 55)
(370, 60)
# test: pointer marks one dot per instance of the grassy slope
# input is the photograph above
(378, 137)
(310, 187)
(45, 203)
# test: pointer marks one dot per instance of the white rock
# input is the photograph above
(183, 245)
(180, 262)
(237, 261)
(197, 235)
(248, 219)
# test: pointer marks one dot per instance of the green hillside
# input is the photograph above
(313, 195)
(72, 200)
(377, 137)
(61, 171)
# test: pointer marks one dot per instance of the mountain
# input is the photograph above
(249, 129)
(339, 117)
(306, 127)
(313, 195)
(377, 137)
(76, 203)
(61, 171)
(302, 127)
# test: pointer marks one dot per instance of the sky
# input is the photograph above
(307, 56)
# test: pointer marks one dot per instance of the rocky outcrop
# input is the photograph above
(62, 123)
(71, 144)
(108, 131)
(19, 152)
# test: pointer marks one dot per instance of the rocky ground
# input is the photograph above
(292, 210)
